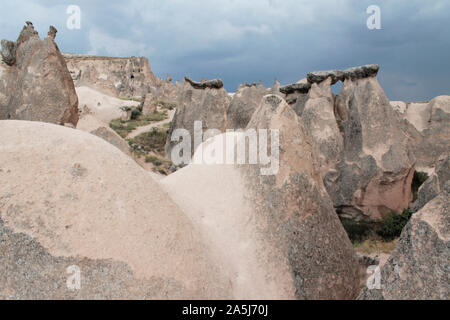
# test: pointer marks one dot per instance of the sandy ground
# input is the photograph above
(105, 108)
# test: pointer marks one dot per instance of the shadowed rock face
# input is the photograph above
(320, 122)
(77, 200)
(9, 52)
(295, 245)
(244, 103)
(38, 86)
(433, 185)
(418, 267)
(376, 167)
(206, 105)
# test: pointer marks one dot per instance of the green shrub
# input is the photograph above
(135, 114)
(356, 230)
(152, 159)
(391, 226)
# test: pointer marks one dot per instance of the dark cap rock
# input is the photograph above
(296, 87)
(212, 84)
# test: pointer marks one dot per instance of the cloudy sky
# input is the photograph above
(247, 40)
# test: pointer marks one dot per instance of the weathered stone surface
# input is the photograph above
(366, 71)
(376, 168)
(295, 246)
(419, 265)
(9, 52)
(296, 88)
(431, 120)
(52, 32)
(119, 77)
(354, 73)
(39, 86)
(150, 104)
(206, 105)
(74, 199)
(244, 103)
(212, 84)
(319, 76)
(433, 185)
(320, 122)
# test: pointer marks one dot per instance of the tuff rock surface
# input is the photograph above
(295, 246)
(37, 86)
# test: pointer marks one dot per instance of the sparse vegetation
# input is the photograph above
(391, 226)
(164, 104)
(377, 236)
(356, 230)
(136, 99)
(154, 140)
(123, 128)
(375, 246)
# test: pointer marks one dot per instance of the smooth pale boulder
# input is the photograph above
(283, 224)
(69, 198)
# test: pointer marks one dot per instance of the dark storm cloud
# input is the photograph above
(259, 39)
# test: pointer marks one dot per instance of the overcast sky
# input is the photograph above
(247, 40)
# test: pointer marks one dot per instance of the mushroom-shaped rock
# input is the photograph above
(319, 76)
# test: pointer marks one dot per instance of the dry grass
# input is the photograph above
(375, 246)
(123, 128)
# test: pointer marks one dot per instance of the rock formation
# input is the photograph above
(119, 77)
(75, 200)
(207, 105)
(431, 120)
(244, 103)
(418, 268)
(36, 85)
(376, 167)
(320, 122)
(150, 104)
(433, 185)
(295, 246)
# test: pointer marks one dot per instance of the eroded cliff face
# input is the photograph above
(120, 77)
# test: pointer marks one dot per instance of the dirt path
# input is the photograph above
(149, 127)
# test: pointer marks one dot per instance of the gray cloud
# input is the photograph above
(247, 40)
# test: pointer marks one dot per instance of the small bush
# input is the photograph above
(152, 159)
(392, 225)
(356, 230)
(135, 114)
